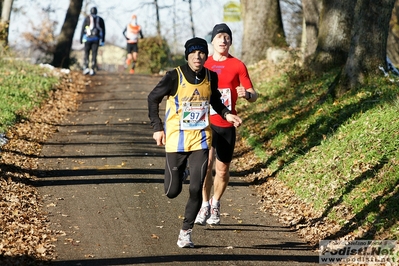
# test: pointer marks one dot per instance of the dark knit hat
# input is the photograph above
(196, 44)
(93, 10)
(221, 28)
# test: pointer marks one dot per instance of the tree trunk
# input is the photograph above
(5, 21)
(311, 14)
(263, 28)
(393, 36)
(336, 20)
(191, 18)
(64, 41)
(158, 21)
(368, 45)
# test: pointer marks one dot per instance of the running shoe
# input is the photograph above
(131, 71)
(203, 215)
(214, 219)
(86, 71)
(184, 240)
(92, 73)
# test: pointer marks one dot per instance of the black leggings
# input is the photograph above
(93, 47)
(176, 164)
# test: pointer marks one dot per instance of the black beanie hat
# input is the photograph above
(221, 28)
(196, 44)
(93, 10)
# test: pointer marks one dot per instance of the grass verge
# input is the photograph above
(340, 156)
(22, 89)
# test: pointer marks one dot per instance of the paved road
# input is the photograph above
(103, 187)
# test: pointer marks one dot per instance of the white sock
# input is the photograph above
(215, 202)
(205, 204)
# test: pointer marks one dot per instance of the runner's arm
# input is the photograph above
(246, 89)
(124, 33)
(102, 25)
(167, 86)
(215, 101)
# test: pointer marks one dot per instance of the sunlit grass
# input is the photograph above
(23, 86)
(340, 156)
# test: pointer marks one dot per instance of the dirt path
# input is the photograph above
(103, 187)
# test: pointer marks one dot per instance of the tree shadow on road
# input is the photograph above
(196, 259)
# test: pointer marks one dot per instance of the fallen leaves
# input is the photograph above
(274, 196)
(280, 201)
(25, 234)
(154, 236)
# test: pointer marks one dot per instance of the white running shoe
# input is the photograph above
(86, 71)
(184, 240)
(92, 72)
(214, 219)
(203, 215)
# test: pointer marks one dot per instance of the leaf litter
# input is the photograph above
(25, 234)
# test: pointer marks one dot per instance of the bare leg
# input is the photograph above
(129, 59)
(134, 57)
(221, 180)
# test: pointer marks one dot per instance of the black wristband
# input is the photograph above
(247, 93)
(225, 114)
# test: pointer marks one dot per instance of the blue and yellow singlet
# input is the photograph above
(187, 116)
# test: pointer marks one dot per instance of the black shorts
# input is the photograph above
(132, 47)
(224, 140)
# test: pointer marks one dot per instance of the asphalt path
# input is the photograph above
(102, 185)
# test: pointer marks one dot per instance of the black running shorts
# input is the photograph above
(224, 140)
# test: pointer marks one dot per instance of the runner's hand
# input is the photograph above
(241, 92)
(159, 137)
(234, 119)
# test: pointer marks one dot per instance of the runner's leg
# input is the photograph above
(175, 165)
(198, 166)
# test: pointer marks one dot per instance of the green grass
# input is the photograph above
(23, 86)
(339, 156)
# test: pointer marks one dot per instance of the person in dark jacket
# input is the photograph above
(191, 90)
(93, 36)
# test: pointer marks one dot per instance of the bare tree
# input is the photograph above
(6, 6)
(263, 28)
(191, 17)
(333, 38)
(311, 15)
(368, 46)
(64, 41)
(393, 36)
(158, 21)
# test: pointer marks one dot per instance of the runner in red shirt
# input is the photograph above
(233, 83)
